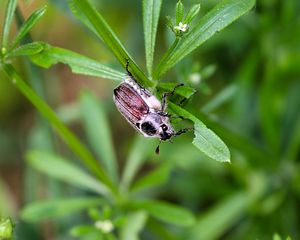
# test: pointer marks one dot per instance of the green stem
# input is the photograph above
(158, 70)
(70, 139)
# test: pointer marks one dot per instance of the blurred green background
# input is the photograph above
(248, 91)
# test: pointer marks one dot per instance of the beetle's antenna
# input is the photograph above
(127, 67)
(183, 131)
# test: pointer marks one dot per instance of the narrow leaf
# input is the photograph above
(155, 178)
(36, 212)
(28, 25)
(98, 131)
(6, 228)
(78, 63)
(135, 159)
(27, 49)
(133, 226)
(70, 139)
(192, 13)
(9, 14)
(165, 212)
(151, 11)
(205, 139)
(111, 40)
(62, 169)
(214, 223)
(184, 91)
(179, 12)
(217, 19)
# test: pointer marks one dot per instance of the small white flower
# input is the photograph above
(195, 78)
(182, 27)
(106, 226)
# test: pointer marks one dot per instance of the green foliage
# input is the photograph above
(6, 228)
(217, 19)
(79, 64)
(256, 112)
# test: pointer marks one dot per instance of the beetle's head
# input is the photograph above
(166, 131)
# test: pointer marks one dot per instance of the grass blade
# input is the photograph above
(155, 178)
(111, 40)
(136, 158)
(217, 19)
(70, 139)
(134, 224)
(151, 11)
(213, 224)
(9, 14)
(205, 139)
(28, 25)
(39, 211)
(98, 131)
(165, 212)
(78, 63)
(62, 169)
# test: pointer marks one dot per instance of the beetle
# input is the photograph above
(143, 111)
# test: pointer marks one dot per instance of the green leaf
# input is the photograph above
(151, 11)
(184, 91)
(192, 13)
(154, 178)
(135, 159)
(98, 131)
(39, 211)
(217, 19)
(86, 230)
(170, 23)
(165, 212)
(27, 49)
(6, 228)
(205, 139)
(9, 14)
(62, 169)
(78, 63)
(28, 25)
(179, 12)
(70, 139)
(80, 16)
(133, 226)
(214, 223)
(111, 40)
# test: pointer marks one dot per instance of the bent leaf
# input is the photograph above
(78, 63)
(205, 139)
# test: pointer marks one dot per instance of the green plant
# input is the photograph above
(122, 204)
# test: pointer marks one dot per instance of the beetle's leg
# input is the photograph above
(183, 131)
(127, 69)
(168, 94)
